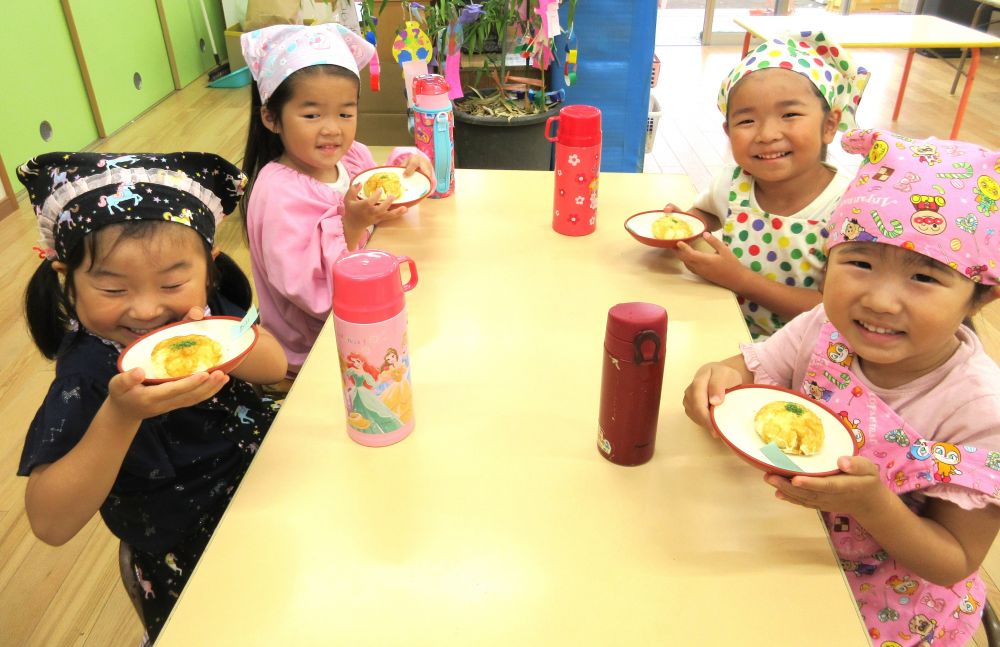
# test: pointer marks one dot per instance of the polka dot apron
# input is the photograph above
(900, 609)
(781, 248)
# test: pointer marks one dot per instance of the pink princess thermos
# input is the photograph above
(369, 318)
(577, 165)
(635, 342)
(434, 129)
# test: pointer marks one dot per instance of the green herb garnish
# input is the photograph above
(794, 408)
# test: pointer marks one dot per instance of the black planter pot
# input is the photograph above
(499, 143)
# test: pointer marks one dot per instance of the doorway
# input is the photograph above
(683, 22)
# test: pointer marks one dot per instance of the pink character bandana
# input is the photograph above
(935, 197)
(275, 53)
(824, 63)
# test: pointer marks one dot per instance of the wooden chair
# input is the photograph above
(992, 625)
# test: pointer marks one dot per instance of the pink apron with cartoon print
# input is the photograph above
(899, 608)
(781, 248)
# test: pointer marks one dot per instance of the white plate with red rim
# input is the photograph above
(415, 187)
(734, 419)
(640, 226)
(222, 329)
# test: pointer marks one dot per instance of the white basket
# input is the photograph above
(652, 121)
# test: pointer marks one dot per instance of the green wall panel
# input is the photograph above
(121, 38)
(41, 81)
(188, 32)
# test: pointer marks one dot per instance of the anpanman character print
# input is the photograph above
(899, 608)
(935, 197)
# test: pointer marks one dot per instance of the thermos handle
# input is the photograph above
(409, 285)
(442, 152)
(548, 128)
(644, 336)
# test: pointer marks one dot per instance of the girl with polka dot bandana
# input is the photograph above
(783, 104)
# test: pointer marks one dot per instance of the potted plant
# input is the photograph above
(505, 56)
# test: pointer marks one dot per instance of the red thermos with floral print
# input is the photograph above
(635, 344)
(578, 162)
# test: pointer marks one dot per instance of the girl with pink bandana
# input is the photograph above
(910, 258)
(302, 213)
(783, 105)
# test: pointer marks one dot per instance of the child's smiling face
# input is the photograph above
(898, 310)
(777, 125)
(318, 124)
(138, 284)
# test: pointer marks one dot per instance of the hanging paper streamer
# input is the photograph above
(412, 50)
(569, 67)
(374, 69)
(453, 61)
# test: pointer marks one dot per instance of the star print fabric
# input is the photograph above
(77, 193)
(181, 468)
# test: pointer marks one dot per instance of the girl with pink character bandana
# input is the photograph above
(910, 259)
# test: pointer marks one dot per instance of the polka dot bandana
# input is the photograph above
(275, 53)
(936, 197)
(826, 64)
(77, 193)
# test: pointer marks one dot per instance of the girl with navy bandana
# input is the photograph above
(127, 247)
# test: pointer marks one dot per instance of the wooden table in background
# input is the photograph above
(497, 522)
(858, 31)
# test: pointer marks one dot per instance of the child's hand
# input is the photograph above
(359, 213)
(137, 401)
(857, 492)
(709, 387)
(670, 207)
(721, 267)
(415, 162)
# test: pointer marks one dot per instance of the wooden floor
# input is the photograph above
(54, 597)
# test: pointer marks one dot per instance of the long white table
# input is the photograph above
(497, 522)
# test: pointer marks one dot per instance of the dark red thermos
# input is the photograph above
(634, 346)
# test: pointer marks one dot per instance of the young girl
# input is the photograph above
(913, 515)
(128, 247)
(783, 105)
(303, 213)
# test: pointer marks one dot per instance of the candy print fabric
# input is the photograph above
(935, 197)
(828, 66)
(899, 608)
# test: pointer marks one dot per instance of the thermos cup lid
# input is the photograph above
(367, 287)
(579, 126)
(627, 321)
(430, 84)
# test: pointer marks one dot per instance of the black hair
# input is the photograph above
(264, 146)
(822, 100)
(49, 304)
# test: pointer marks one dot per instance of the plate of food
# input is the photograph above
(405, 191)
(661, 229)
(782, 431)
(180, 349)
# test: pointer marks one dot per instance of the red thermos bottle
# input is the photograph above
(634, 346)
(577, 164)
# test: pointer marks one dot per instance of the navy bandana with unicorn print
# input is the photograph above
(76, 193)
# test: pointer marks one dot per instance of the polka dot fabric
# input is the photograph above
(825, 64)
(785, 249)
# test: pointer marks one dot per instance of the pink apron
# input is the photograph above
(899, 608)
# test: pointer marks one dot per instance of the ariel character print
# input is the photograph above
(398, 396)
(366, 412)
